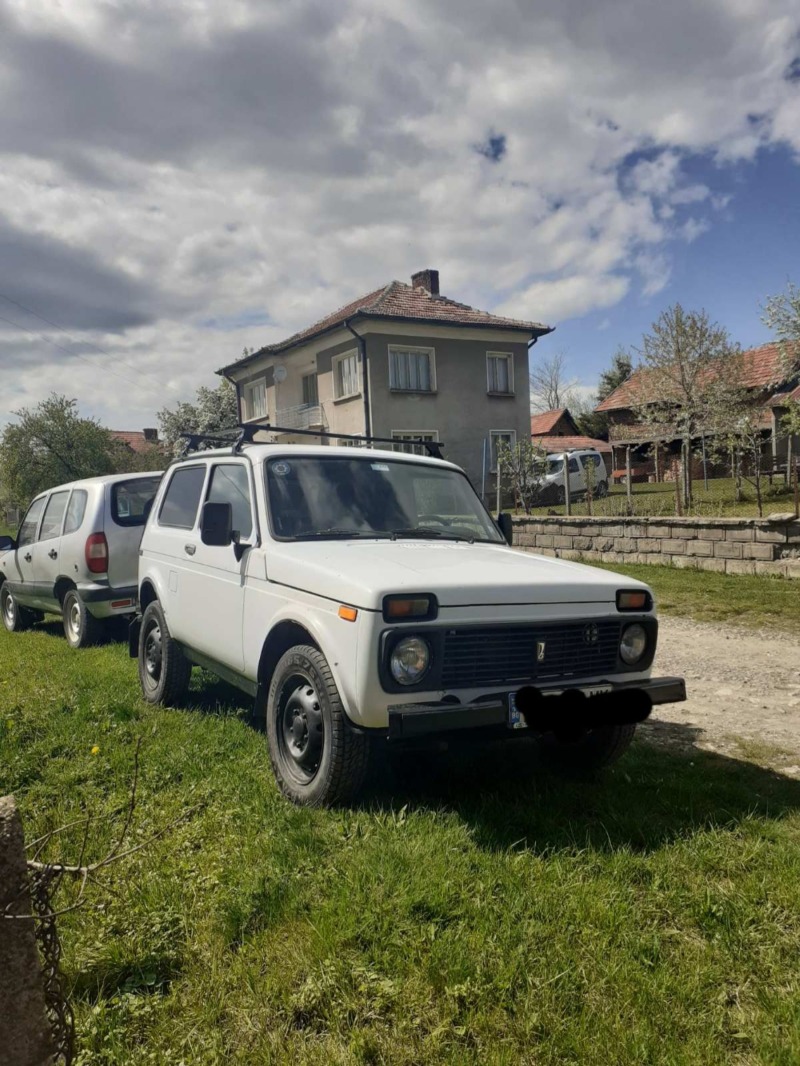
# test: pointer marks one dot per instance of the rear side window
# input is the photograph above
(131, 500)
(76, 510)
(573, 466)
(182, 497)
(54, 516)
(230, 484)
(27, 531)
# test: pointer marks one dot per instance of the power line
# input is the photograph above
(97, 348)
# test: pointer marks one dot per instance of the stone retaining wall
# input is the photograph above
(725, 545)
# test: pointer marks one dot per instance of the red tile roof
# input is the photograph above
(761, 368)
(134, 438)
(403, 303)
(568, 444)
(547, 421)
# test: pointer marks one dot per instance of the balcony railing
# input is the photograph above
(304, 416)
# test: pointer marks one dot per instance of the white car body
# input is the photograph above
(577, 461)
(223, 607)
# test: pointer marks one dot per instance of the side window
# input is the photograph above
(230, 484)
(76, 510)
(182, 498)
(27, 531)
(54, 516)
(573, 466)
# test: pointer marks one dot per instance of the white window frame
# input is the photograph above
(335, 362)
(408, 436)
(509, 357)
(247, 400)
(430, 352)
(494, 433)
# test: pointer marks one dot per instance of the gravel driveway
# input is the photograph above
(743, 688)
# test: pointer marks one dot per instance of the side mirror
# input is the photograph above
(7, 544)
(216, 525)
(506, 526)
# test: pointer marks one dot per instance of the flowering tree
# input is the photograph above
(524, 466)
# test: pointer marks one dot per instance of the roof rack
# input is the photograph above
(246, 432)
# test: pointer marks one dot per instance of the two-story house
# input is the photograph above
(403, 362)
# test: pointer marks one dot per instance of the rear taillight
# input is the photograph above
(97, 553)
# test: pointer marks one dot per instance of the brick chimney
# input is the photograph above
(151, 436)
(426, 279)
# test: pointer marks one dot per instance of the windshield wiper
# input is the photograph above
(426, 531)
(334, 531)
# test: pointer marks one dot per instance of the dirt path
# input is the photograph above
(744, 692)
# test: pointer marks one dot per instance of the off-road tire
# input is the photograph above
(81, 628)
(164, 671)
(302, 678)
(590, 752)
(602, 490)
(16, 618)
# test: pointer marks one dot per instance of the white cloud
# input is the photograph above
(165, 166)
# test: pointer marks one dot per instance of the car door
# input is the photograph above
(18, 566)
(46, 562)
(213, 579)
(576, 482)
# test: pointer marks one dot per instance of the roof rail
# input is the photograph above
(246, 431)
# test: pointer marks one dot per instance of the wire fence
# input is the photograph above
(736, 488)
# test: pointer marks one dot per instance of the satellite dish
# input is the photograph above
(280, 374)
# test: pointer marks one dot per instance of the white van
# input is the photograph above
(76, 554)
(577, 465)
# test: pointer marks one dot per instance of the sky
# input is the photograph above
(179, 181)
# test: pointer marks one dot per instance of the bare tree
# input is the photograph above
(691, 370)
(549, 385)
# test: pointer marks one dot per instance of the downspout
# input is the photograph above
(238, 397)
(362, 349)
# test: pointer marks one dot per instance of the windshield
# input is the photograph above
(555, 466)
(373, 497)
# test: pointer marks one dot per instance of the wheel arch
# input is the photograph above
(147, 594)
(62, 586)
(287, 633)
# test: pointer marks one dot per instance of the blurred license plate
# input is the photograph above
(516, 720)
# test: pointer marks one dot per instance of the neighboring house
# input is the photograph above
(556, 431)
(138, 440)
(403, 362)
(763, 371)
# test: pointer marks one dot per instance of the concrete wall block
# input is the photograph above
(745, 535)
(685, 532)
(700, 547)
(612, 557)
(649, 544)
(792, 568)
(657, 559)
(562, 542)
(673, 547)
(760, 551)
(793, 533)
(711, 533)
(717, 566)
(660, 531)
(583, 543)
(569, 553)
(739, 566)
(771, 534)
(686, 562)
(724, 549)
(625, 544)
(544, 540)
(524, 539)
(603, 544)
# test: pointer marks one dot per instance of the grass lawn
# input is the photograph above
(493, 915)
(738, 599)
(659, 499)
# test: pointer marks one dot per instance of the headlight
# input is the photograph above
(633, 644)
(410, 659)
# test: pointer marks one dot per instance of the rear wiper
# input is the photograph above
(426, 531)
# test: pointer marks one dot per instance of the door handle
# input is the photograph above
(53, 553)
(190, 549)
(28, 557)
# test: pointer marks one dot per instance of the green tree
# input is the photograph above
(49, 445)
(212, 411)
(595, 423)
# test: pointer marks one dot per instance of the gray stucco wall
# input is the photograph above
(460, 409)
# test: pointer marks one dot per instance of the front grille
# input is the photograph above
(508, 654)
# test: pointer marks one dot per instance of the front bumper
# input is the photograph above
(420, 719)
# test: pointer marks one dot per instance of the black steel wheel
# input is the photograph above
(16, 618)
(81, 628)
(317, 757)
(164, 671)
(602, 489)
(587, 751)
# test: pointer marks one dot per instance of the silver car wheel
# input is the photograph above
(74, 620)
(9, 610)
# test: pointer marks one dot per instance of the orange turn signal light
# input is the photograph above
(634, 601)
(348, 613)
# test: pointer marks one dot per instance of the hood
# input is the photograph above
(361, 573)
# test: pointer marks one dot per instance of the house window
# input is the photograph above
(310, 394)
(255, 400)
(413, 437)
(345, 375)
(345, 442)
(412, 369)
(500, 373)
(501, 436)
